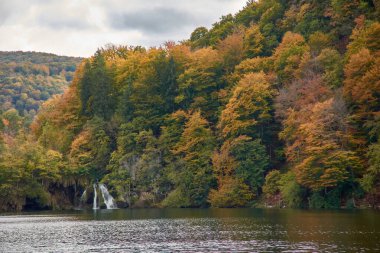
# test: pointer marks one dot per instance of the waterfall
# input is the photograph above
(84, 196)
(95, 198)
(108, 199)
(83, 199)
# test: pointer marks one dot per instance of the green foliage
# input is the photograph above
(253, 41)
(195, 148)
(291, 192)
(328, 200)
(239, 167)
(27, 171)
(289, 55)
(96, 89)
(231, 193)
(90, 150)
(176, 198)
(332, 67)
(198, 84)
(252, 162)
(279, 85)
(272, 183)
(371, 178)
(249, 109)
(27, 79)
(318, 41)
(317, 201)
(199, 37)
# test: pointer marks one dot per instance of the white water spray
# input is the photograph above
(108, 199)
(84, 196)
(95, 198)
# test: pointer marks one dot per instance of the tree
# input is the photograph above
(331, 63)
(90, 150)
(318, 41)
(102, 93)
(85, 88)
(194, 180)
(231, 50)
(198, 84)
(253, 41)
(252, 160)
(362, 85)
(199, 38)
(370, 181)
(324, 159)
(12, 122)
(249, 108)
(289, 55)
(232, 192)
(271, 186)
(291, 192)
(239, 167)
(29, 175)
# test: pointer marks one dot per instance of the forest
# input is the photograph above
(27, 79)
(277, 105)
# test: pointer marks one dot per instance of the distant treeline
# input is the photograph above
(27, 79)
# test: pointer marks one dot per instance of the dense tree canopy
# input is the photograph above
(277, 104)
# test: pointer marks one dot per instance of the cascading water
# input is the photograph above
(82, 200)
(95, 198)
(84, 196)
(108, 199)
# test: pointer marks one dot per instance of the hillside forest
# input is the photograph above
(276, 105)
(27, 79)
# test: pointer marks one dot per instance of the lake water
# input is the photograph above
(191, 230)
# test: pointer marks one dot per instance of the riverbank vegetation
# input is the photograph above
(278, 104)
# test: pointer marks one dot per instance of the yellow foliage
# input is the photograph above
(249, 105)
(232, 192)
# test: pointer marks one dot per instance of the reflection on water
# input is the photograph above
(192, 230)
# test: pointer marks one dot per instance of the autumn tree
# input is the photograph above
(249, 109)
(198, 84)
(90, 149)
(362, 84)
(253, 41)
(239, 167)
(289, 56)
(231, 50)
(194, 179)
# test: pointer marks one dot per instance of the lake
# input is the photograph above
(191, 230)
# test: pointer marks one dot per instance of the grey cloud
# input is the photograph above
(52, 20)
(12, 10)
(4, 12)
(7, 10)
(156, 20)
(78, 27)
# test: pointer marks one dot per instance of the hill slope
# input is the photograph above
(27, 79)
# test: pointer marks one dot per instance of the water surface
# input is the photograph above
(191, 230)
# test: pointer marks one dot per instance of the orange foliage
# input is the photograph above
(224, 163)
(231, 50)
(362, 84)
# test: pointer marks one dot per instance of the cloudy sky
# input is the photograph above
(79, 27)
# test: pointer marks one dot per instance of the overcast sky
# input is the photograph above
(79, 27)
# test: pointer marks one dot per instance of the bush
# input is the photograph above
(272, 183)
(316, 201)
(231, 193)
(176, 198)
(329, 200)
(291, 191)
